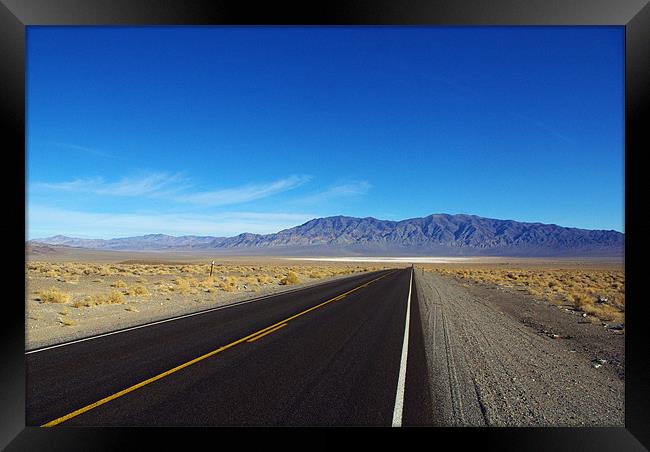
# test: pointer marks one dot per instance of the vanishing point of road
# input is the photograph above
(345, 352)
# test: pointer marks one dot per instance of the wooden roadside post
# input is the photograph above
(211, 266)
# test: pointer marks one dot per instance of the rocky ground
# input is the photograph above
(498, 357)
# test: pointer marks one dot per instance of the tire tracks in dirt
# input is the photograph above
(488, 368)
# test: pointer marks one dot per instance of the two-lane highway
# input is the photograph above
(340, 353)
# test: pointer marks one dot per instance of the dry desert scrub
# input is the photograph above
(186, 285)
(291, 278)
(54, 295)
(138, 290)
(114, 297)
(107, 284)
(71, 269)
(228, 284)
(597, 292)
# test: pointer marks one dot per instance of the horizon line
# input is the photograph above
(321, 218)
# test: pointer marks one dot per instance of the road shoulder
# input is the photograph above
(489, 364)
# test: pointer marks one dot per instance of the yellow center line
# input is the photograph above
(200, 358)
(253, 339)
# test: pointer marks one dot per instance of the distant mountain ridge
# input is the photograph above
(144, 242)
(438, 234)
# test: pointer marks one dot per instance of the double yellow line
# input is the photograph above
(250, 338)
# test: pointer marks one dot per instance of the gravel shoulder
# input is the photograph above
(501, 358)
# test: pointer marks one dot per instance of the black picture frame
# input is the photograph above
(634, 15)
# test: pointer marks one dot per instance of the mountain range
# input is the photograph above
(438, 234)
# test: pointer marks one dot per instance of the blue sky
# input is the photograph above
(218, 131)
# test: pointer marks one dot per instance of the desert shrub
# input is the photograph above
(119, 283)
(114, 297)
(86, 302)
(291, 278)
(207, 283)
(164, 288)
(226, 287)
(229, 284)
(186, 285)
(105, 270)
(139, 290)
(182, 285)
(264, 279)
(54, 295)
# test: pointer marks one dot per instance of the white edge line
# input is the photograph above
(399, 396)
(205, 311)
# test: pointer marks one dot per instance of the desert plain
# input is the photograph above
(73, 294)
(536, 341)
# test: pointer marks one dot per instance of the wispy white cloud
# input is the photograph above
(174, 187)
(45, 221)
(342, 190)
(151, 184)
(83, 149)
(244, 193)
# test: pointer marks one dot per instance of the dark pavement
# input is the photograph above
(329, 362)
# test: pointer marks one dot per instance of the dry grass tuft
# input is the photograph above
(114, 297)
(229, 284)
(291, 278)
(265, 279)
(186, 285)
(139, 290)
(54, 295)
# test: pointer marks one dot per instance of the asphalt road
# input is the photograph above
(325, 355)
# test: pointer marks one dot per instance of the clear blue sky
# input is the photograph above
(218, 131)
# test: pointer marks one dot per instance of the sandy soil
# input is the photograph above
(168, 290)
(502, 358)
